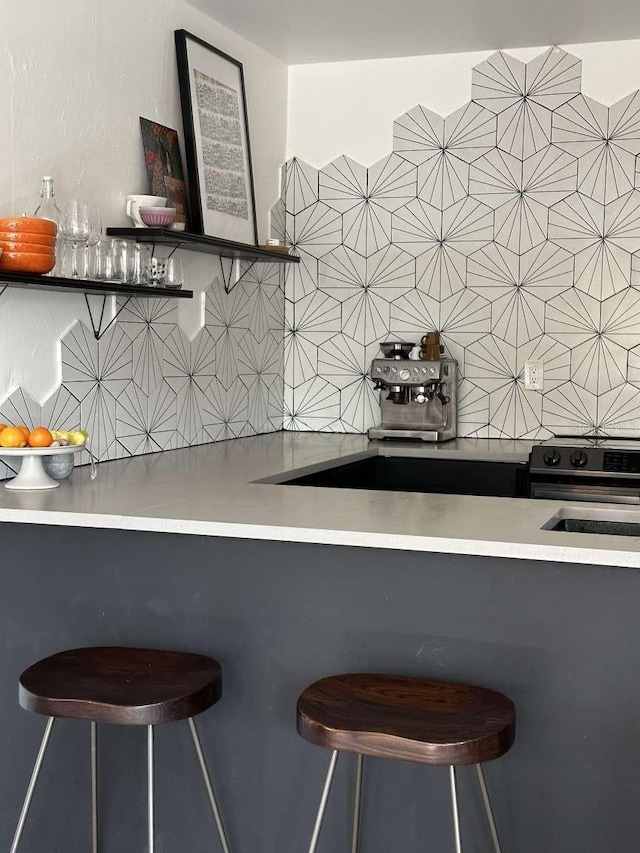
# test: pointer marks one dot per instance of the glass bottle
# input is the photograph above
(48, 208)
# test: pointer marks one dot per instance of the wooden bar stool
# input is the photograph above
(413, 719)
(126, 687)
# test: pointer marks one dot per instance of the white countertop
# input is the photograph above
(210, 491)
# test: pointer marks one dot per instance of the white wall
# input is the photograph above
(349, 107)
(75, 75)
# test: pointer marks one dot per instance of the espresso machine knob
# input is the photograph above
(420, 398)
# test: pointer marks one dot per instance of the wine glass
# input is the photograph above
(75, 228)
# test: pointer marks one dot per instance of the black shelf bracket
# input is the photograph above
(233, 270)
(101, 327)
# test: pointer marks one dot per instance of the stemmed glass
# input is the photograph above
(75, 228)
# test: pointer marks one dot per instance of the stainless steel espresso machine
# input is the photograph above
(418, 397)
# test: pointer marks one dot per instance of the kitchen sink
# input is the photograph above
(411, 474)
(615, 522)
(585, 525)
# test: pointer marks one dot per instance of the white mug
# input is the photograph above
(135, 202)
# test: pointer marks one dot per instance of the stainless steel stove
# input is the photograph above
(586, 468)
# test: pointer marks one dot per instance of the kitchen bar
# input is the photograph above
(233, 489)
(265, 578)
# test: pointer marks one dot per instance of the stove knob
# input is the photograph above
(579, 458)
(551, 457)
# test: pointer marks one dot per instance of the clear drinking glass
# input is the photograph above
(95, 236)
(103, 260)
(142, 264)
(173, 274)
(75, 228)
(123, 260)
(157, 269)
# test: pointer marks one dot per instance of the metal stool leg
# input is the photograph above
(323, 801)
(454, 806)
(357, 802)
(207, 783)
(150, 787)
(94, 787)
(32, 784)
(487, 807)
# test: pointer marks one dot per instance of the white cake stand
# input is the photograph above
(32, 474)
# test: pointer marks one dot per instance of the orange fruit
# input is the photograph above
(40, 437)
(12, 437)
(24, 430)
(3, 426)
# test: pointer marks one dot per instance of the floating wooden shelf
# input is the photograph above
(91, 288)
(235, 259)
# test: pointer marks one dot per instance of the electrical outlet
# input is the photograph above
(533, 375)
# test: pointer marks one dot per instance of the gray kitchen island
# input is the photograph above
(286, 584)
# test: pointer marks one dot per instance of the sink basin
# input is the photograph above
(585, 525)
(409, 474)
(615, 522)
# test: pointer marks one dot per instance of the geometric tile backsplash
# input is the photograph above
(511, 226)
(145, 387)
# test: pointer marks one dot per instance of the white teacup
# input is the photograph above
(135, 202)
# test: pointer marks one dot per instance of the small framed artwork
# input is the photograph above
(164, 166)
(216, 137)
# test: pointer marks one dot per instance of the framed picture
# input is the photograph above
(216, 141)
(164, 166)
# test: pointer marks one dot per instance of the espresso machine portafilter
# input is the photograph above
(418, 398)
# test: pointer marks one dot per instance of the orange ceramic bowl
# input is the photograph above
(25, 237)
(27, 262)
(26, 248)
(30, 225)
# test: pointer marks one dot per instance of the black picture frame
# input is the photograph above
(212, 213)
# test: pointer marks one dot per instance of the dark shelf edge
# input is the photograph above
(199, 243)
(91, 288)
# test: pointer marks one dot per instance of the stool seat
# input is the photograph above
(125, 686)
(434, 722)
